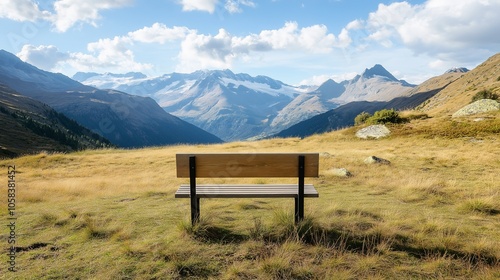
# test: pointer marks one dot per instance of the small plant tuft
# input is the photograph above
(480, 206)
(94, 231)
(257, 232)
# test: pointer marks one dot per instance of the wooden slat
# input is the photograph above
(246, 191)
(250, 165)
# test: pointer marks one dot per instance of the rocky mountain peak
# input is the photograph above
(331, 88)
(457, 70)
(378, 70)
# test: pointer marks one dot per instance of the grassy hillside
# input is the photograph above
(434, 212)
(459, 93)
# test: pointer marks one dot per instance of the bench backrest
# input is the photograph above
(226, 165)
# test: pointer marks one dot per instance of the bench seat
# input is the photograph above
(247, 165)
(246, 191)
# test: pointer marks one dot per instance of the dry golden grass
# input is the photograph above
(460, 92)
(434, 212)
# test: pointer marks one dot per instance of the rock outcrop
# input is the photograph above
(373, 131)
(480, 106)
(376, 160)
(340, 172)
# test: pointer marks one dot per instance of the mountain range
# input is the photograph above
(231, 106)
(133, 110)
(239, 106)
(124, 119)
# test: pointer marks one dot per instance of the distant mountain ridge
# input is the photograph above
(29, 126)
(126, 120)
(239, 106)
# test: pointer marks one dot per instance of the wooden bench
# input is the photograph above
(251, 165)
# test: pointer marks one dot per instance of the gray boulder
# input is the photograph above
(373, 131)
(480, 106)
(340, 172)
(325, 155)
(376, 160)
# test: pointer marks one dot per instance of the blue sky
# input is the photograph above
(297, 42)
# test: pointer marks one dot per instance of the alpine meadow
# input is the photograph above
(111, 214)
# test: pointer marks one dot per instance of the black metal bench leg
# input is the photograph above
(195, 201)
(195, 211)
(299, 200)
(297, 217)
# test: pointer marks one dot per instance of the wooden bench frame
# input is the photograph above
(250, 165)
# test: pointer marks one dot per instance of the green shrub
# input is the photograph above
(484, 94)
(361, 118)
(385, 116)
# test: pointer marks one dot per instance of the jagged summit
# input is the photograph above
(457, 70)
(378, 70)
(330, 86)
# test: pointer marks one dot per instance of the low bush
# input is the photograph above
(484, 94)
(379, 117)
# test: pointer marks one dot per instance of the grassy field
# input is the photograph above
(433, 213)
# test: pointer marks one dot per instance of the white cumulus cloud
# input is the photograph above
(219, 51)
(65, 14)
(105, 55)
(196, 51)
(44, 57)
(22, 10)
(159, 33)
(232, 6)
(438, 28)
(69, 12)
(111, 54)
(199, 5)
(200, 51)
